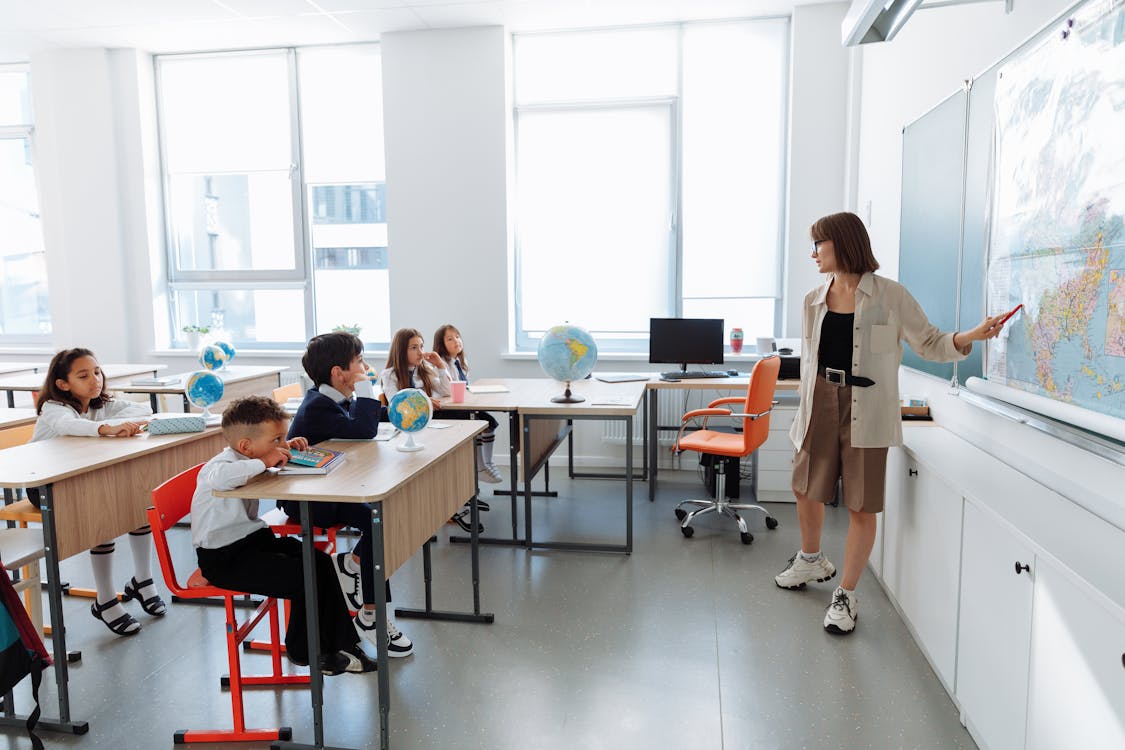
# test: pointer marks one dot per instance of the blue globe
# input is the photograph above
(410, 409)
(227, 350)
(203, 389)
(567, 353)
(212, 357)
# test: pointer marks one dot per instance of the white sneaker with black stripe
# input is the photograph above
(400, 645)
(842, 613)
(800, 571)
(349, 581)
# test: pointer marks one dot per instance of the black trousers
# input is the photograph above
(264, 564)
(356, 515)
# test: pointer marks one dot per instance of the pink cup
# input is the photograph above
(457, 391)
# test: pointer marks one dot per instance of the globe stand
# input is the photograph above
(209, 419)
(410, 446)
(568, 397)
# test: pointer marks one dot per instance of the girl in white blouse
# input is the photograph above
(409, 365)
(74, 401)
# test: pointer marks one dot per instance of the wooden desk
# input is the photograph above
(16, 417)
(413, 495)
(91, 491)
(7, 368)
(238, 381)
(537, 428)
(652, 395)
(115, 374)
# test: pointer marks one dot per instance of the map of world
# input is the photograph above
(1057, 242)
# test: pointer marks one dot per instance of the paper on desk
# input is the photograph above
(438, 425)
(488, 389)
(612, 401)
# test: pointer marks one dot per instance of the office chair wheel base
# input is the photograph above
(746, 537)
(681, 514)
(771, 523)
(687, 531)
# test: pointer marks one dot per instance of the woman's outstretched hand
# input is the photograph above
(989, 328)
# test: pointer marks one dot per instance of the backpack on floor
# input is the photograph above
(21, 652)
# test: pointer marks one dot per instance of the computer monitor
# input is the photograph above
(686, 341)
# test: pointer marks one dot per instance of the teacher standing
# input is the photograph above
(852, 329)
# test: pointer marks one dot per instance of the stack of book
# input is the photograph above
(914, 409)
(311, 461)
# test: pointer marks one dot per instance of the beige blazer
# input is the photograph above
(885, 316)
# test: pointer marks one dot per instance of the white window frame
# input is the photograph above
(527, 340)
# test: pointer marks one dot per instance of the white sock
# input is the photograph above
(811, 557)
(141, 543)
(101, 562)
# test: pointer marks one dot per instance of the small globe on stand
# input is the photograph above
(212, 357)
(410, 410)
(204, 389)
(228, 350)
(567, 353)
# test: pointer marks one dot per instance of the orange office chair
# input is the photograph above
(171, 502)
(755, 416)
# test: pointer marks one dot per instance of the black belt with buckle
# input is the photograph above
(840, 378)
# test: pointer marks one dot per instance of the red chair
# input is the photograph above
(171, 502)
(755, 416)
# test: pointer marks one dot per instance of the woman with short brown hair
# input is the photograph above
(852, 329)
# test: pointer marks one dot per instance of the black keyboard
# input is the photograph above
(693, 374)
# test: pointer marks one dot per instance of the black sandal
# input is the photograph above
(154, 605)
(461, 518)
(121, 625)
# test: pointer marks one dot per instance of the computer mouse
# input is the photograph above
(732, 373)
(785, 350)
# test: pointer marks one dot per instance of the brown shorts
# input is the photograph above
(827, 455)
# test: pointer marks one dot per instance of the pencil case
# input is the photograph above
(167, 424)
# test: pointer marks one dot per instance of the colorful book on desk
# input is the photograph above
(312, 461)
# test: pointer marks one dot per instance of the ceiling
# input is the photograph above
(30, 26)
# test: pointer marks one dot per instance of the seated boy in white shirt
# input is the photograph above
(236, 550)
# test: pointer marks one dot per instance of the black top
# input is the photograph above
(836, 341)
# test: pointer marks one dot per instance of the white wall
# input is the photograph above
(80, 198)
(936, 51)
(818, 95)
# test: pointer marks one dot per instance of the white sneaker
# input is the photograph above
(400, 644)
(842, 613)
(349, 582)
(490, 475)
(800, 571)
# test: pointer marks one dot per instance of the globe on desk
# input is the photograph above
(567, 353)
(228, 350)
(212, 357)
(203, 390)
(410, 410)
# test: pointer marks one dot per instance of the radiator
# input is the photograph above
(672, 407)
(294, 376)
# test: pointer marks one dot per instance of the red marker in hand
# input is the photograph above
(1015, 310)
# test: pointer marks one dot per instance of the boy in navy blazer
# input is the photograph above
(342, 404)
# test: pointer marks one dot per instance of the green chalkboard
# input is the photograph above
(933, 190)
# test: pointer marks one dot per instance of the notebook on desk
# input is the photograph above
(488, 389)
(621, 377)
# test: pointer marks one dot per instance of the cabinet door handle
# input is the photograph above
(1022, 567)
(912, 472)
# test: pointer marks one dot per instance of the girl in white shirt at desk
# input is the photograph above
(409, 365)
(448, 345)
(74, 401)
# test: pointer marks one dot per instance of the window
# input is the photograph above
(24, 313)
(276, 202)
(650, 172)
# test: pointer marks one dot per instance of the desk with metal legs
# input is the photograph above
(654, 428)
(91, 491)
(238, 381)
(413, 495)
(115, 374)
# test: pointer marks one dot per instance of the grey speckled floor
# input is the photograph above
(685, 644)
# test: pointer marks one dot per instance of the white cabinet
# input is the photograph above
(922, 560)
(775, 457)
(1076, 695)
(995, 630)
